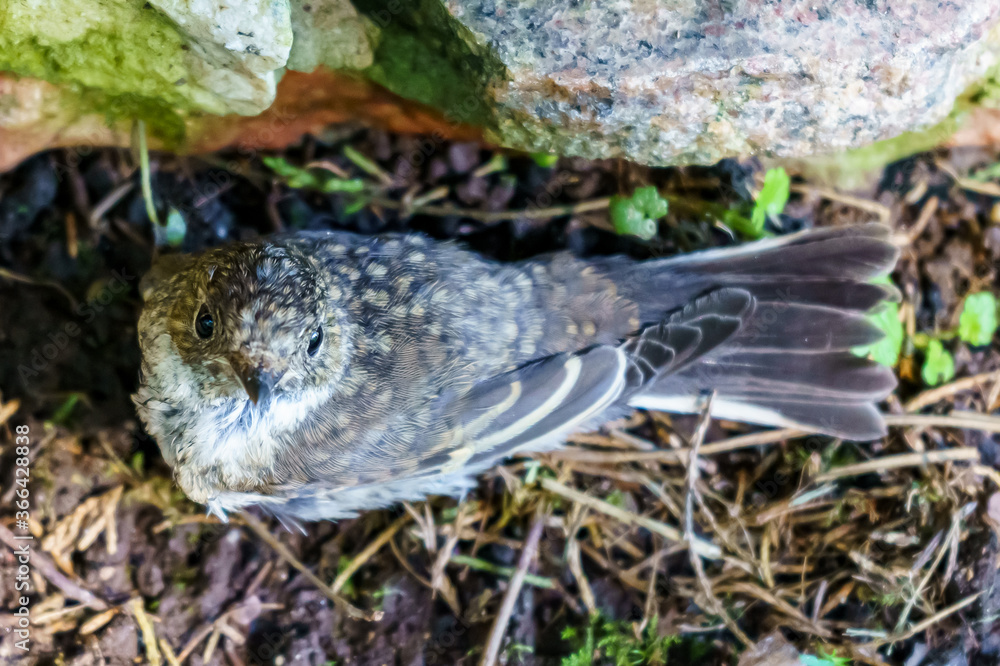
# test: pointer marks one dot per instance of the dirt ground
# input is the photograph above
(831, 550)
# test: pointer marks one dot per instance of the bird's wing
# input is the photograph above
(532, 407)
(529, 409)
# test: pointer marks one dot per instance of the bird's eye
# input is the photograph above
(315, 340)
(204, 325)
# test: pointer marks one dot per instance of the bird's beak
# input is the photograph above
(256, 381)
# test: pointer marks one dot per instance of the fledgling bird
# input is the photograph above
(322, 374)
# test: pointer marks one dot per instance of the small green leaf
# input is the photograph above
(886, 351)
(772, 198)
(741, 224)
(637, 215)
(355, 205)
(363, 162)
(65, 409)
(978, 321)
(823, 660)
(312, 179)
(342, 185)
(939, 366)
(176, 228)
(545, 160)
(649, 202)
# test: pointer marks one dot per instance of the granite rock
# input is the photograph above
(686, 81)
(655, 81)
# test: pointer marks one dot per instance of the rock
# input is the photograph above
(329, 33)
(152, 58)
(657, 83)
(695, 82)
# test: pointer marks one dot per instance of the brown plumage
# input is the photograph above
(319, 374)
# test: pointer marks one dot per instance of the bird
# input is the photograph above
(317, 375)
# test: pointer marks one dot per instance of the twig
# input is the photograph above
(513, 590)
(931, 396)
(689, 536)
(898, 461)
(883, 212)
(703, 548)
(924, 624)
(969, 420)
(987, 188)
(260, 530)
(168, 652)
(366, 554)
(491, 217)
(956, 525)
(45, 566)
(677, 456)
(498, 570)
(108, 202)
(148, 633)
(8, 410)
(24, 279)
(926, 215)
(214, 628)
(578, 514)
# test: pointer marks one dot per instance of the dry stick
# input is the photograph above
(490, 217)
(968, 420)
(51, 284)
(883, 212)
(8, 410)
(924, 624)
(956, 525)
(926, 215)
(146, 627)
(510, 598)
(285, 554)
(898, 461)
(689, 537)
(934, 395)
(703, 548)
(366, 554)
(210, 628)
(679, 456)
(45, 566)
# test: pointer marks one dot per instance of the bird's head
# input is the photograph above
(255, 323)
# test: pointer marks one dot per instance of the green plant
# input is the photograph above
(939, 366)
(824, 659)
(977, 325)
(313, 179)
(886, 351)
(771, 200)
(545, 160)
(978, 322)
(613, 641)
(638, 214)
(174, 231)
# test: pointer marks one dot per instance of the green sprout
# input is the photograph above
(771, 200)
(637, 215)
(939, 366)
(824, 659)
(614, 642)
(978, 321)
(545, 160)
(887, 350)
(176, 228)
(312, 179)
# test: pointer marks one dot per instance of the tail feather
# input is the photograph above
(790, 363)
